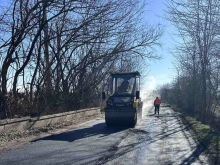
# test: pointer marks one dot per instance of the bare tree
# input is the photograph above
(57, 52)
(197, 24)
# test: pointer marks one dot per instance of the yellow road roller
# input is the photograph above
(122, 102)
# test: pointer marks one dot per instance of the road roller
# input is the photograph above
(122, 104)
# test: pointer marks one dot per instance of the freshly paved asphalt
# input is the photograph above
(156, 140)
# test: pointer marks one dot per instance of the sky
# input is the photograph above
(160, 71)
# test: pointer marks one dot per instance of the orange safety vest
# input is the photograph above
(157, 101)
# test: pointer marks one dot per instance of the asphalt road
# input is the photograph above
(156, 140)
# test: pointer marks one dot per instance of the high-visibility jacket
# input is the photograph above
(157, 101)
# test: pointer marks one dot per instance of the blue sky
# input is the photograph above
(160, 71)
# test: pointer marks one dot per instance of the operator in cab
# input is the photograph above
(123, 87)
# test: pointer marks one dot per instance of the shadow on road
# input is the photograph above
(70, 136)
(139, 144)
(200, 148)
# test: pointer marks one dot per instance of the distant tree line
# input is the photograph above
(196, 86)
(55, 55)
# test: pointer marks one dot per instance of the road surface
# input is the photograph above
(156, 140)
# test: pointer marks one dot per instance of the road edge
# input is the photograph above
(192, 123)
(16, 143)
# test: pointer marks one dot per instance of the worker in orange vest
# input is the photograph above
(157, 102)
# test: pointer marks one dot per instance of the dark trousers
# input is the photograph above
(158, 107)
